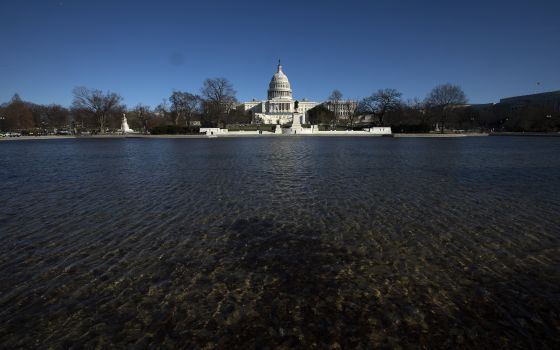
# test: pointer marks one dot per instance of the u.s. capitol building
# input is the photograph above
(280, 107)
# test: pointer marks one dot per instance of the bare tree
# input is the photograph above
(417, 109)
(3, 126)
(335, 100)
(162, 111)
(380, 102)
(219, 98)
(184, 105)
(409, 117)
(142, 113)
(97, 103)
(442, 98)
(18, 115)
(351, 112)
(56, 116)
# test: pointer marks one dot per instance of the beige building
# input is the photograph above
(343, 108)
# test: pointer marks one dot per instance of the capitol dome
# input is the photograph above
(279, 87)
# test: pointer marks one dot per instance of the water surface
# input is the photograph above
(287, 242)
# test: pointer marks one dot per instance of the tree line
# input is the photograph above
(99, 111)
(444, 108)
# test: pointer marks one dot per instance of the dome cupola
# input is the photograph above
(279, 87)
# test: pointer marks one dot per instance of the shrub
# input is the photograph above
(411, 128)
(251, 127)
(174, 130)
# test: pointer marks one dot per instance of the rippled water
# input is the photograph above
(280, 243)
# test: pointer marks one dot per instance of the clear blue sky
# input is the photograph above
(145, 49)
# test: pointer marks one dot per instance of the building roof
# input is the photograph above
(279, 86)
(532, 97)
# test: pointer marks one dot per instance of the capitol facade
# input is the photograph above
(280, 107)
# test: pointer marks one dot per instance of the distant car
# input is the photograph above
(13, 134)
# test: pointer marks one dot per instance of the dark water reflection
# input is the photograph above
(280, 243)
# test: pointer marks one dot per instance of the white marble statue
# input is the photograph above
(124, 126)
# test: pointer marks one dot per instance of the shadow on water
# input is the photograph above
(308, 292)
(260, 284)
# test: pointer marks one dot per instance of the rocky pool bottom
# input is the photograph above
(280, 244)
